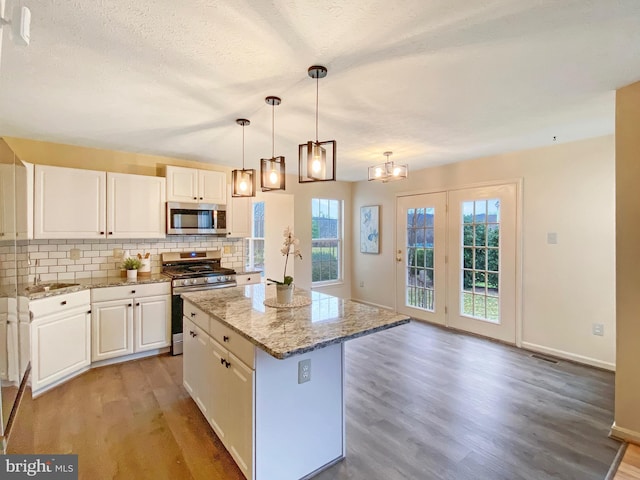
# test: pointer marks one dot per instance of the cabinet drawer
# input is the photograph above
(232, 341)
(196, 315)
(130, 291)
(248, 279)
(59, 303)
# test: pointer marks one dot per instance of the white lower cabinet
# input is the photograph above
(130, 319)
(60, 338)
(222, 386)
(112, 333)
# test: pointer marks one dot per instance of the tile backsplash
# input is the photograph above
(51, 259)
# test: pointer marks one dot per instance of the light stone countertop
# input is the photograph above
(284, 332)
(87, 283)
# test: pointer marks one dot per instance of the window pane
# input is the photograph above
(467, 235)
(429, 213)
(258, 254)
(480, 211)
(467, 212)
(480, 235)
(493, 235)
(480, 259)
(468, 258)
(428, 258)
(493, 260)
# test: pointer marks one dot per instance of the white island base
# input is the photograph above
(299, 428)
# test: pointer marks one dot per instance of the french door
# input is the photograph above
(456, 259)
(420, 256)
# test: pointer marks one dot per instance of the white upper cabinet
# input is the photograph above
(238, 216)
(75, 203)
(69, 203)
(135, 206)
(212, 187)
(192, 185)
(24, 200)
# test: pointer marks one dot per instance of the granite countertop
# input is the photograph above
(87, 283)
(284, 332)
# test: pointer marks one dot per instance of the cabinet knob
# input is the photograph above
(89, 311)
(133, 291)
(101, 233)
(110, 233)
(225, 338)
(193, 314)
(222, 361)
(195, 198)
(64, 302)
(130, 305)
(138, 304)
(227, 364)
(201, 198)
(194, 334)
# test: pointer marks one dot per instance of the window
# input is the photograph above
(255, 243)
(326, 240)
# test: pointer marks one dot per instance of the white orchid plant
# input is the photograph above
(289, 247)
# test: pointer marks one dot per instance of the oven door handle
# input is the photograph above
(200, 288)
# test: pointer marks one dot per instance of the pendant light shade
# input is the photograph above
(272, 170)
(388, 171)
(317, 160)
(243, 181)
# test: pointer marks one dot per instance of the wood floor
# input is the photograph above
(422, 404)
(629, 468)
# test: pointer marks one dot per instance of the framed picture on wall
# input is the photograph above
(370, 229)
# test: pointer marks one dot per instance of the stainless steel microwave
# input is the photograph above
(196, 219)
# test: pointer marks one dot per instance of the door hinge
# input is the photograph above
(446, 310)
(446, 259)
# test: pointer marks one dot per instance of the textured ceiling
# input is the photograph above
(435, 81)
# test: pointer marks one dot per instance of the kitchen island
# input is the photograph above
(270, 381)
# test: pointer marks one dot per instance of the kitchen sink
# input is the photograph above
(46, 287)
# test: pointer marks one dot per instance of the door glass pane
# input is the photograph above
(419, 258)
(480, 272)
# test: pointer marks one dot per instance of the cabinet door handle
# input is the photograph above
(222, 361)
(194, 334)
(138, 304)
(225, 338)
(89, 311)
(64, 302)
(227, 364)
(193, 314)
(110, 233)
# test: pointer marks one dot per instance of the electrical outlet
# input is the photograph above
(228, 249)
(598, 329)
(362, 283)
(74, 254)
(304, 370)
(118, 253)
(552, 238)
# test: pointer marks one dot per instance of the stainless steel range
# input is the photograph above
(191, 272)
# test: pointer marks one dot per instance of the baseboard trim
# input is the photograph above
(133, 356)
(594, 362)
(624, 434)
(385, 307)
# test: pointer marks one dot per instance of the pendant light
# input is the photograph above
(244, 181)
(317, 160)
(388, 171)
(272, 170)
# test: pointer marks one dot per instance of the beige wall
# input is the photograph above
(567, 189)
(627, 406)
(56, 154)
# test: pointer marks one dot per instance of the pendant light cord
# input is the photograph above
(273, 129)
(243, 147)
(317, 90)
